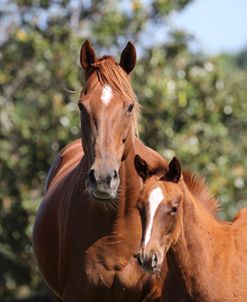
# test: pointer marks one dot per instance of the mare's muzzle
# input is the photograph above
(103, 185)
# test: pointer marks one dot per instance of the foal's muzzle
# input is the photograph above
(151, 261)
(103, 186)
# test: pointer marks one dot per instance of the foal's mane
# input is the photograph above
(111, 73)
(197, 186)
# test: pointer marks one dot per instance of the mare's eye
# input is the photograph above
(82, 107)
(130, 108)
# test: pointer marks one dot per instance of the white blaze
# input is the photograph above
(106, 94)
(155, 198)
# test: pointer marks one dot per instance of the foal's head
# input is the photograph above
(159, 209)
(109, 114)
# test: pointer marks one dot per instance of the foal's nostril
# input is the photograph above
(154, 260)
(92, 178)
(148, 262)
(140, 258)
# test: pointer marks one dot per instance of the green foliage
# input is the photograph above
(33, 103)
(241, 59)
(199, 114)
(193, 105)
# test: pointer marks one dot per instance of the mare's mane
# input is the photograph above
(111, 73)
(199, 189)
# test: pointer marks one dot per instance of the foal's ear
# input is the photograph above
(174, 171)
(141, 167)
(128, 58)
(87, 55)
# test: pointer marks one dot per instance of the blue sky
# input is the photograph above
(218, 25)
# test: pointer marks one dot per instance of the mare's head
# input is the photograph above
(109, 115)
(159, 208)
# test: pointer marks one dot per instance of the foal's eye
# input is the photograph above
(173, 211)
(130, 108)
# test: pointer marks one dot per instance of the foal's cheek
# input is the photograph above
(166, 243)
(169, 221)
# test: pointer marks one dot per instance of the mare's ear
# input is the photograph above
(174, 171)
(141, 167)
(87, 55)
(128, 58)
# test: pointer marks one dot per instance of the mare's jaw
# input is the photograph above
(105, 194)
(102, 194)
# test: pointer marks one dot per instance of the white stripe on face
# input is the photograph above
(106, 94)
(155, 198)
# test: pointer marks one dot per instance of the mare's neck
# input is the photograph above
(191, 257)
(124, 227)
(130, 183)
(116, 219)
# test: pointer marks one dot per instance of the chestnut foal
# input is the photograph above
(206, 257)
(88, 230)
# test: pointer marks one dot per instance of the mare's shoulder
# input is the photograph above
(72, 148)
(65, 161)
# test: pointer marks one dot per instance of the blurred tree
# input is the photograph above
(193, 105)
(241, 59)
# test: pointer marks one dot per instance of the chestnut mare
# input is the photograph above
(88, 230)
(206, 257)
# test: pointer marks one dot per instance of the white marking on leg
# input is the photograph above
(155, 198)
(106, 94)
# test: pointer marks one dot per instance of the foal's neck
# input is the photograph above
(190, 257)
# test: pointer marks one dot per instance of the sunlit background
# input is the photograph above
(190, 79)
(218, 25)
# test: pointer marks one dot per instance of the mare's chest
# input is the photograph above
(111, 260)
(112, 271)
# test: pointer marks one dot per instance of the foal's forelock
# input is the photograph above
(113, 78)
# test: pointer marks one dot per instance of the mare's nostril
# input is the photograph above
(112, 178)
(114, 174)
(92, 178)
(108, 180)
